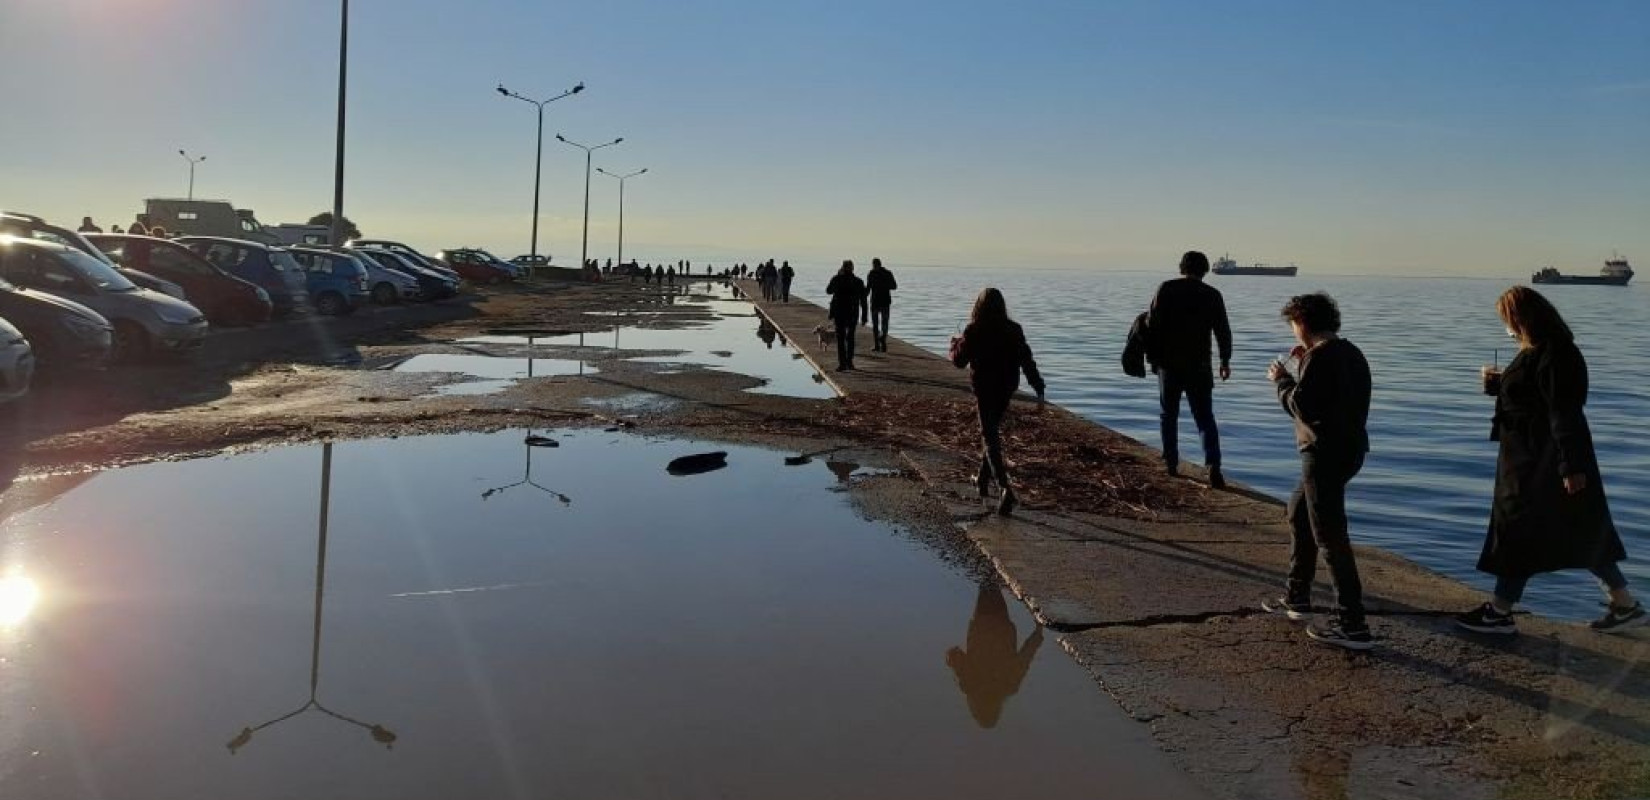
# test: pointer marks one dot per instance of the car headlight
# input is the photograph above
(84, 327)
(177, 316)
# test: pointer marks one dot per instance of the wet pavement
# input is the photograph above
(494, 615)
(490, 374)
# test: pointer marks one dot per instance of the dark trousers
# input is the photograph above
(879, 325)
(993, 407)
(1199, 388)
(786, 286)
(1317, 514)
(1510, 588)
(845, 329)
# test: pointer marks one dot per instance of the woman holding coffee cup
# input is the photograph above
(1549, 511)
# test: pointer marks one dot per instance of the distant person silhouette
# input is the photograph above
(88, 226)
(1549, 511)
(115, 229)
(1184, 314)
(848, 311)
(158, 232)
(994, 347)
(670, 273)
(138, 227)
(993, 664)
(647, 274)
(880, 281)
(786, 274)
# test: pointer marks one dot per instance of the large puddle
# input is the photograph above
(517, 615)
(735, 340)
(489, 374)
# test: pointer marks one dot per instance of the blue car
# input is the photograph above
(338, 283)
(269, 268)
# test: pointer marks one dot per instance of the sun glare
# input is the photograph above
(18, 597)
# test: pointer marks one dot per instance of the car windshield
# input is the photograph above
(97, 272)
(283, 261)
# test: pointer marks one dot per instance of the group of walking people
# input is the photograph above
(856, 302)
(775, 281)
(1548, 512)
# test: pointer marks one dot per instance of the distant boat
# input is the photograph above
(1226, 266)
(1616, 272)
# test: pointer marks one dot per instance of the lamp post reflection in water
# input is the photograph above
(531, 442)
(379, 733)
(991, 668)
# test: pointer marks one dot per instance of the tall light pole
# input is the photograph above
(584, 250)
(622, 179)
(192, 163)
(538, 162)
(337, 233)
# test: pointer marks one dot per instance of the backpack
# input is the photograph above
(1134, 351)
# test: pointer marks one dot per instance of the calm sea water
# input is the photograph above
(1426, 489)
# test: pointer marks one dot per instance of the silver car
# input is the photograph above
(16, 363)
(144, 321)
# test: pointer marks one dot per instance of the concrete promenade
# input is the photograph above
(1164, 612)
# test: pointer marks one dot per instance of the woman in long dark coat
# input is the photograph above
(1549, 513)
(995, 348)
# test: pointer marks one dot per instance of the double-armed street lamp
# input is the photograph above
(584, 250)
(621, 179)
(192, 162)
(538, 162)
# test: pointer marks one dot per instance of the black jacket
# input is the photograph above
(881, 283)
(1183, 315)
(998, 354)
(1535, 526)
(1330, 402)
(847, 293)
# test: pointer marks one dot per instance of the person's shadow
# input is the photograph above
(990, 669)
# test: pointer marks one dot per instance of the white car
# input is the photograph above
(16, 363)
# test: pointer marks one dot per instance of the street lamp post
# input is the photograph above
(538, 162)
(192, 163)
(337, 233)
(621, 179)
(584, 249)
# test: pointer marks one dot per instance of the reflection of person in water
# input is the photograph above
(843, 470)
(766, 332)
(990, 670)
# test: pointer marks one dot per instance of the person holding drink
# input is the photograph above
(995, 349)
(1549, 511)
(1329, 402)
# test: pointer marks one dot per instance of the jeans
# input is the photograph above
(993, 407)
(786, 287)
(879, 325)
(1199, 388)
(1510, 588)
(1317, 515)
(845, 330)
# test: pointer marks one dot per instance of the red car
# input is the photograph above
(476, 266)
(224, 298)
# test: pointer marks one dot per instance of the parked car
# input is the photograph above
(515, 271)
(385, 287)
(475, 266)
(408, 252)
(337, 281)
(531, 261)
(29, 226)
(226, 299)
(431, 285)
(16, 363)
(62, 333)
(144, 321)
(268, 268)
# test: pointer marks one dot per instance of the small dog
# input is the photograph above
(826, 336)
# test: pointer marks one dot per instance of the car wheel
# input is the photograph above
(330, 304)
(385, 294)
(131, 342)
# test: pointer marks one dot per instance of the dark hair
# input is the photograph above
(847, 266)
(1317, 312)
(989, 308)
(876, 262)
(1194, 264)
(1532, 316)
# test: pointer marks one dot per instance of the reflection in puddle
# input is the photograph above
(496, 374)
(660, 632)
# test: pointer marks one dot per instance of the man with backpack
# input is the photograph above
(1184, 315)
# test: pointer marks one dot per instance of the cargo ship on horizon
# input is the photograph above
(1226, 266)
(1616, 272)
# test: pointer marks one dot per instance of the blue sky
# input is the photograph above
(1414, 137)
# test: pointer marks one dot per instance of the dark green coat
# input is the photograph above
(1535, 526)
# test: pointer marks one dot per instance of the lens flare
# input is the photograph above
(18, 597)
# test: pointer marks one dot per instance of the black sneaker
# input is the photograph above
(1621, 619)
(1485, 619)
(1216, 480)
(1172, 469)
(1286, 607)
(1341, 635)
